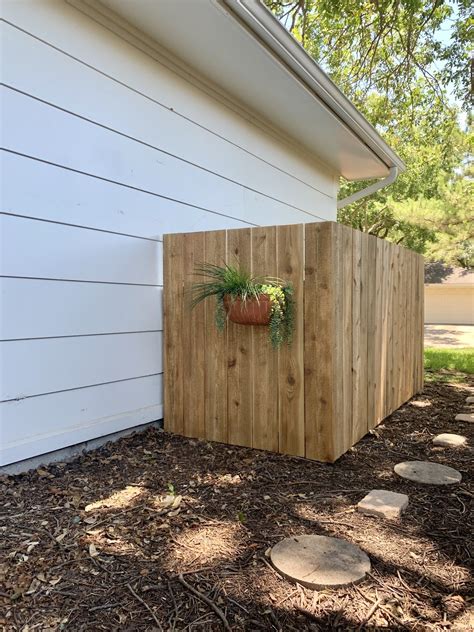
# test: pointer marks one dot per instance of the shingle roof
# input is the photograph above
(441, 273)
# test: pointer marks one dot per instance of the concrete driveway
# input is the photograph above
(449, 336)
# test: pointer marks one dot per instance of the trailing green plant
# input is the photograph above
(237, 283)
(282, 319)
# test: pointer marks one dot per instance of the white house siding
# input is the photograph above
(106, 149)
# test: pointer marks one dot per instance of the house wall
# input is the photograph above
(106, 149)
(447, 305)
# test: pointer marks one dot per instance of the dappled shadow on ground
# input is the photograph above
(449, 336)
(99, 544)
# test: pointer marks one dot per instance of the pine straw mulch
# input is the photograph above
(161, 532)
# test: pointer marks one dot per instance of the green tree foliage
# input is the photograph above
(449, 220)
(388, 58)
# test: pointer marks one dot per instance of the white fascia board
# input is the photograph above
(262, 22)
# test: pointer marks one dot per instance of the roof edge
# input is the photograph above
(268, 28)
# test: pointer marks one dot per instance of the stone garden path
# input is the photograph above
(319, 562)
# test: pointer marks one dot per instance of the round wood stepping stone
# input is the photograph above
(448, 440)
(428, 473)
(463, 417)
(317, 561)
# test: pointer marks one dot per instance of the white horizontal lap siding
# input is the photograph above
(61, 195)
(41, 249)
(106, 149)
(109, 103)
(90, 44)
(76, 308)
(49, 365)
(43, 131)
(36, 425)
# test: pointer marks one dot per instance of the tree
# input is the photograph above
(388, 59)
(384, 45)
(449, 220)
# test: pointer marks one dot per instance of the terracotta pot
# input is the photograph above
(253, 311)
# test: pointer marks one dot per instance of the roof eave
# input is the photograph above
(268, 29)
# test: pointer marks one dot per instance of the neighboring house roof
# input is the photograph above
(440, 274)
(244, 51)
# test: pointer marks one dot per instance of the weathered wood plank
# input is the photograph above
(345, 332)
(193, 341)
(390, 329)
(378, 333)
(240, 370)
(400, 316)
(264, 357)
(290, 264)
(359, 335)
(419, 338)
(319, 342)
(343, 424)
(405, 314)
(372, 332)
(411, 324)
(215, 350)
(172, 329)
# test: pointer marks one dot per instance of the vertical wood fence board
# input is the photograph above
(240, 374)
(172, 326)
(381, 363)
(319, 344)
(419, 337)
(402, 311)
(378, 333)
(215, 350)
(345, 283)
(395, 326)
(359, 328)
(396, 330)
(391, 300)
(410, 326)
(386, 326)
(310, 350)
(364, 425)
(356, 334)
(193, 341)
(372, 327)
(389, 313)
(356, 356)
(338, 431)
(264, 357)
(290, 264)
(404, 292)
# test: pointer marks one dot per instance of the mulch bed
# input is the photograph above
(162, 532)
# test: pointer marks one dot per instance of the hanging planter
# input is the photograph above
(247, 300)
(253, 311)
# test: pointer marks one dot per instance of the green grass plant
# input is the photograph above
(231, 280)
(443, 361)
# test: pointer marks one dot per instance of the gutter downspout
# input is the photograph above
(381, 184)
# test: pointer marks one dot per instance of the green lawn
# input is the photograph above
(460, 360)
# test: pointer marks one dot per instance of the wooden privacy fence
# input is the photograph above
(356, 356)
